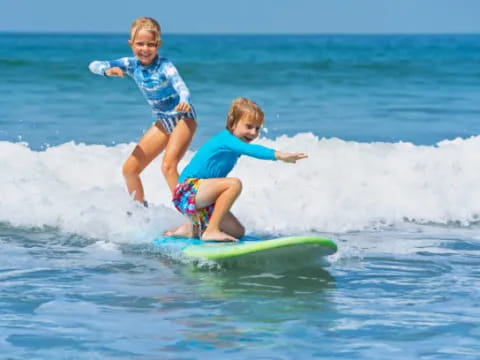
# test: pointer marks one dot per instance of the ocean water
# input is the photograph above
(391, 126)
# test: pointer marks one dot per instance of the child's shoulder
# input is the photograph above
(165, 62)
(226, 138)
(224, 134)
(218, 139)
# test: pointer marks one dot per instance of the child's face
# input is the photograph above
(145, 46)
(247, 128)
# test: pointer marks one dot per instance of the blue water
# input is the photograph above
(391, 127)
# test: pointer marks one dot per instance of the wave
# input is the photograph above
(343, 186)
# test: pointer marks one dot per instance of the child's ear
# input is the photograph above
(159, 43)
(130, 42)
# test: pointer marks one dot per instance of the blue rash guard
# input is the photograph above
(160, 82)
(217, 157)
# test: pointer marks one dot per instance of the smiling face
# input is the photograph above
(247, 127)
(145, 45)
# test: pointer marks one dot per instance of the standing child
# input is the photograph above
(204, 193)
(169, 97)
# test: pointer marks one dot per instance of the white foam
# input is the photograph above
(343, 186)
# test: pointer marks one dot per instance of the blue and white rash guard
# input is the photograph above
(160, 82)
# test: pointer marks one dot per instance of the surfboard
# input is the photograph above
(292, 251)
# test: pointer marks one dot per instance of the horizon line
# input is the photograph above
(74, 32)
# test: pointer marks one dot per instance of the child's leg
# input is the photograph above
(149, 146)
(180, 139)
(232, 226)
(178, 143)
(223, 192)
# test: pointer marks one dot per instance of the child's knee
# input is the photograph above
(237, 230)
(236, 184)
(241, 232)
(169, 166)
(129, 169)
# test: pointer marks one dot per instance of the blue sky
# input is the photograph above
(247, 16)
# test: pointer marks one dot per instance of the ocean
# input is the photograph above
(391, 124)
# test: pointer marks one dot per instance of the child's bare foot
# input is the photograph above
(217, 235)
(185, 230)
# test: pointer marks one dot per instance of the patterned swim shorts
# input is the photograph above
(184, 200)
(169, 122)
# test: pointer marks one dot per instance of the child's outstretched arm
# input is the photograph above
(110, 68)
(262, 152)
(289, 157)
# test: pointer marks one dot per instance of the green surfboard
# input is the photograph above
(218, 251)
(292, 251)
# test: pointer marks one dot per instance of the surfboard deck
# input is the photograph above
(292, 250)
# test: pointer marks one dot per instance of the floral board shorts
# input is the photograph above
(184, 200)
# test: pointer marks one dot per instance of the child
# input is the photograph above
(169, 97)
(204, 193)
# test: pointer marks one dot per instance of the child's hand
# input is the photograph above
(289, 157)
(114, 71)
(183, 107)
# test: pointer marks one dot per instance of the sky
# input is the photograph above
(245, 16)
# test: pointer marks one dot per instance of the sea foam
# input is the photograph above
(342, 186)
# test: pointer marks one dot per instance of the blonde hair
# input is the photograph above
(241, 106)
(145, 23)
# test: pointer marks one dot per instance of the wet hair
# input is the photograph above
(241, 106)
(145, 23)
